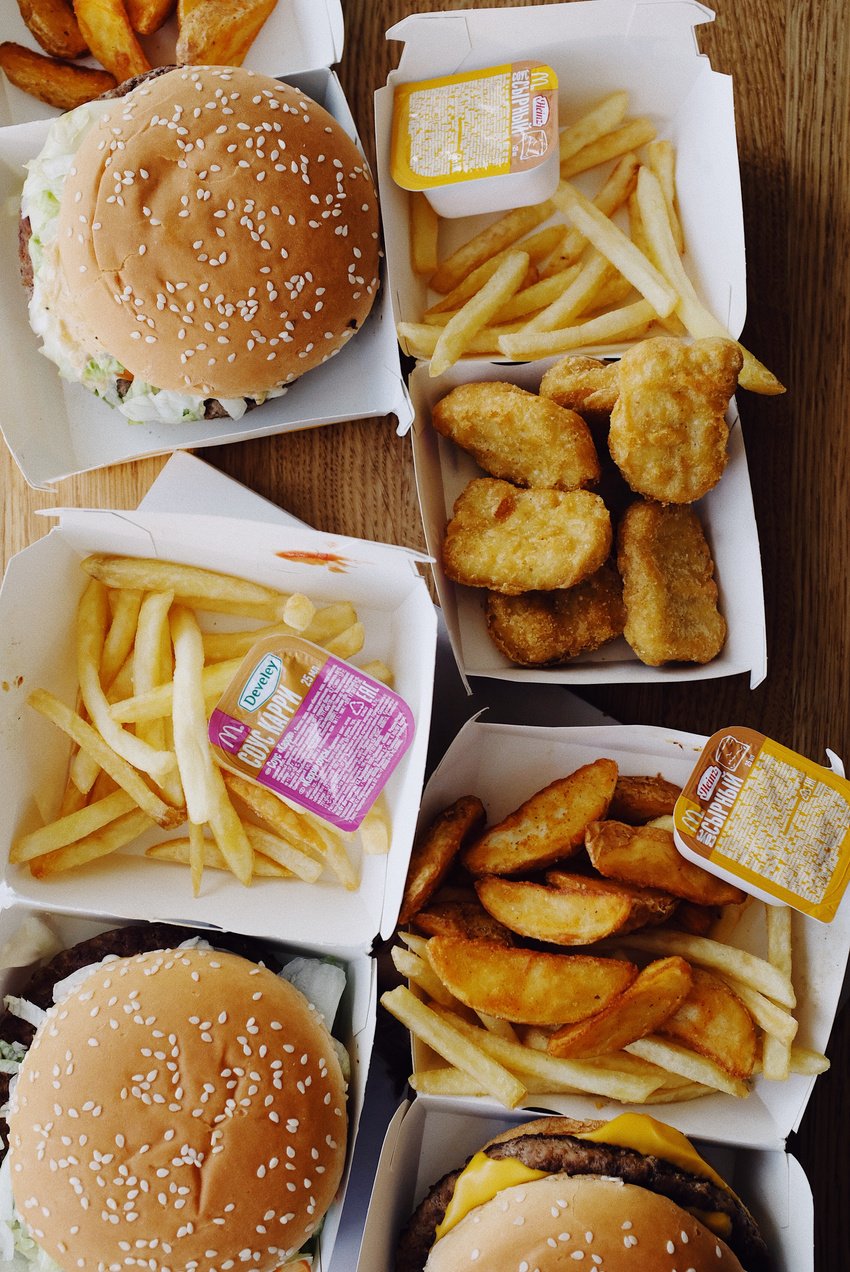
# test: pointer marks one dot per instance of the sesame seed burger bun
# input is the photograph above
(186, 1099)
(218, 232)
(552, 1223)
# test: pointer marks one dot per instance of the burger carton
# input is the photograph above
(37, 607)
(54, 428)
(354, 1027)
(504, 765)
(726, 513)
(427, 1139)
(597, 48)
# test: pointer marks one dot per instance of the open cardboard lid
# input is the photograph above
(37, 605)
(595, 47)
(427, 1139)
(298, 35)
(504, 765)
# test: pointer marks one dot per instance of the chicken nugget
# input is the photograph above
(668, 431)
(668, 585)
(519, 436)
(583, 384)
(546, 629)
(513, 540)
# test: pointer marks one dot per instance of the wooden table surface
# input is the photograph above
(791, 66)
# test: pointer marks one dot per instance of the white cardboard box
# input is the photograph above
(426, 1139)
(355, 1026)
(647, 47)
(504, 765)
(54, 428)
(443, 471)
(37, 605)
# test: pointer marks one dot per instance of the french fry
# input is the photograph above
(448, 1042)
(147, 16)
(577, 295)
(477, 312)
(536, 247)
(376, 829)
(348, 642)
(419, 971)
(808, 1062)
(180, 851)
(779, 1031)
(495, 1025)
(299, 612)
(220, 32)
(276, 815)
(424, 232)
(661, 158)
(632, 135)
(53, 24)
(618, 324)
(727, 959)
(602, 118)
(106, 29)
(60, 84)
(379, 670)
(228, 831)
(697, 319)
(613, 194)
(158, 702)
(191, 745)
(615, 246)
(495, 238)
(99, 844)
(340, 862)
(197, 854)
(694, 1067)
(283, 852)
(90, 741)
(149, 669)
(182, 580)
(779, 937)
(121, 634)
(419, 340)
(68, 829)
(537, 296)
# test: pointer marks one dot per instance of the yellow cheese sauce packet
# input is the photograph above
(772, 821)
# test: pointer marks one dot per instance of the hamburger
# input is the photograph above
(631, 1193)
(197, 243)
(178, 1108)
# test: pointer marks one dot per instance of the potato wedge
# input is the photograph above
(220, 32)
(649, 905)
(58, 83)
(713, 1021)
(639, 799)
(696, 919)
(527, 986)
(548, 826)
(53, 24)
(435, 851)
(106, 29)
(658, 990)
(147, 16)
(560, 916)
(461, 916)
(647, 855)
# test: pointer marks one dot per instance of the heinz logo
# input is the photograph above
(262, 683)
(539, 111)
(708, 783)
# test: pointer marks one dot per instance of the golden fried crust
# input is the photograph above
(514, 541)
(668, 430)
(583, 384)
(519, 436)
(668, 585)
(545, 629)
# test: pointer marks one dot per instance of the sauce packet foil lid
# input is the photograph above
(488, 123)
(311, 728)
(768, 819)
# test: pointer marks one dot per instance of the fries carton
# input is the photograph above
(505, 764)
(355, 1022)
(54, 428)
(648, 50)
(37, 606)
(426, 1139)
(727, 515)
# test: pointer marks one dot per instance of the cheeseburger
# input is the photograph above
(628, 1194)
(197, 243)
(181, 1108)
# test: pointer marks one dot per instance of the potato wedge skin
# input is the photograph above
(60, 84)
(548, 826)
(647, 855)
(435, 851)
(106, 29)
(657, 991)
(713, 1021)
(527, 986)
(461, 917)
(53, 24)
(557, 915)
(649, 905)
(220, 32)
(637, 799)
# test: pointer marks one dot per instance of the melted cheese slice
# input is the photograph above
(485, 1176)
